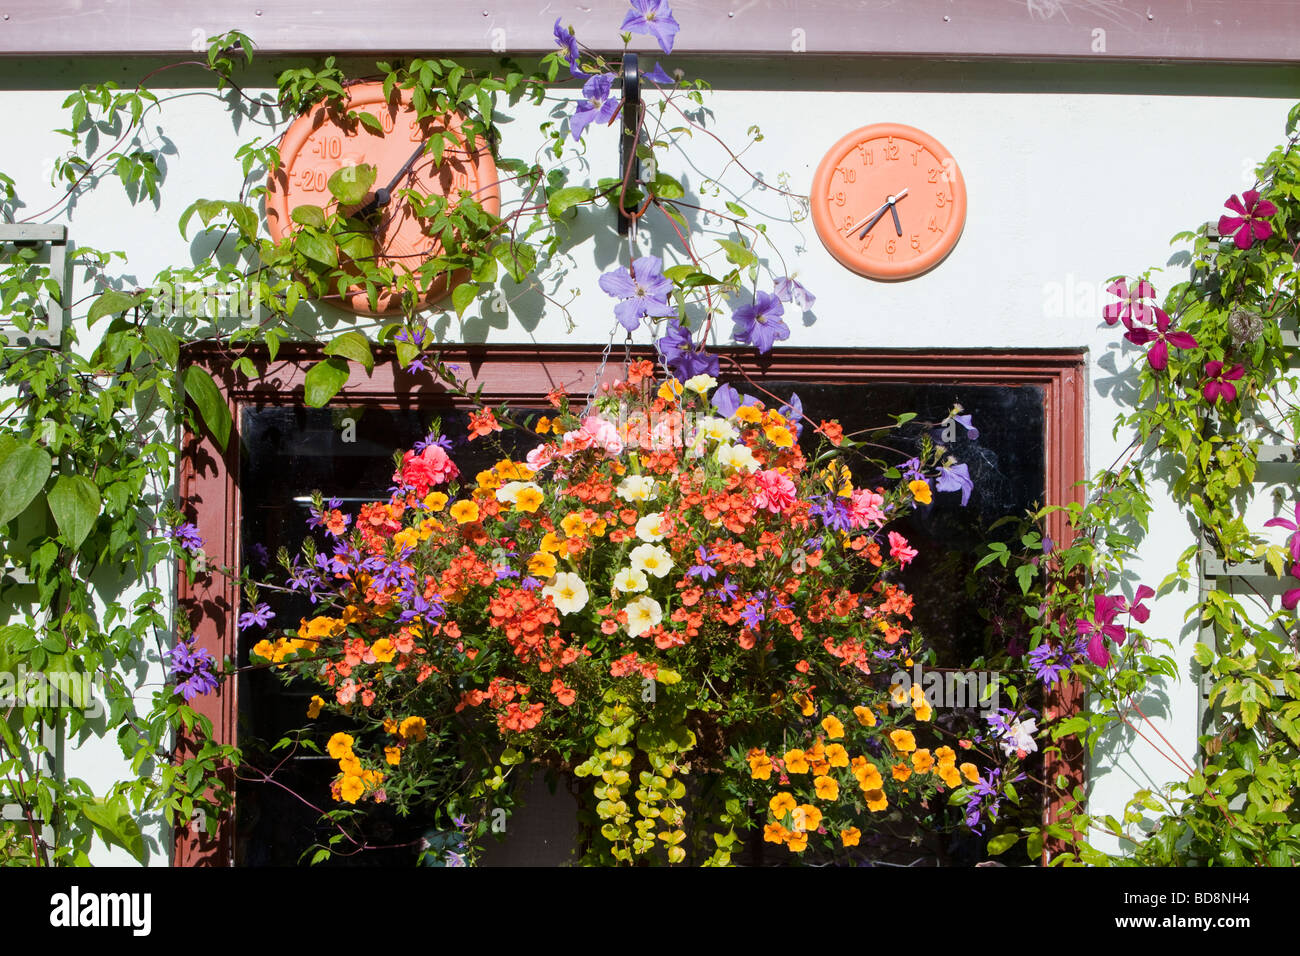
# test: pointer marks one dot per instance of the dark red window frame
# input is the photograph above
(518, 374)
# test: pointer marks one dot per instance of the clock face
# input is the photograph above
(320, 142)
(888, 201)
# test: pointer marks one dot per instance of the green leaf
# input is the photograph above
(317, 248)
(309, 215)
(211, 404)
(111, 302)
(1003, 842)
(324, 379)
(164, 342)
(737, 210)
(22, 476)
(74, 502)
(355, 346)
(665, 187)
(371, 122)
(738, 253)
(350, 184)
(562, 200)
(115, 823)
(462, 296)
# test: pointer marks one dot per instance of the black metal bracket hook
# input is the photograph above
(629, 166)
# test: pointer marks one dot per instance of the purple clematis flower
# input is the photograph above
(682, 358)
(793, 413)
(569, 47)
(726, 400)
(1248, 225)
(787, 290)
(644, 292)
(1158, 354)
(956, 478)
(657, 75)
(1219, 382)
(597, 106)
(653, 17)
(760, 324)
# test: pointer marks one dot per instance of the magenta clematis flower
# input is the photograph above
(1131, 308)
(1137, 610)
(1158, 354)
(1101, 627)
(1292, 597)
(1219, 382)
(1249, 224)
(1293, 526)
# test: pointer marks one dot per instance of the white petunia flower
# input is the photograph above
(701, 384)
(568, 591)
(637, 488)
(650, 528)
(737, 458)
(630, 581)
(652, 559)
(643, 614)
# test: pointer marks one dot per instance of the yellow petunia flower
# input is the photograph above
(413, 728)
(529, 500)
(796, 761)
(749, 414)
(781, 804)
(969, 771)
(922, 761)
(837, 756)
(945, 755)
(393, 755)
(806, 817)
(314, 706)
(383, 650)
(670, 389)
(796, 841)
(351, 789)
(924, 712)
(350, 764)
(833, 727)
(877, 801)
(902, 740)
(851, 836)
(542, 565)
(464, 512)
(775, 833)
(573, 525)
(339, 745)
(950, 775)
(435, 501)
(779, 436)
(902, 771)
(827, 788)
(552, 543)
(920, 491)
(866, 716)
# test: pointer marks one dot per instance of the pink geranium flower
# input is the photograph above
(1131, 309)
(431, 467)
(775, 491)
(1158, 354)
(1219, 382)
(898, 549)
(1249, 224)
(864, 509)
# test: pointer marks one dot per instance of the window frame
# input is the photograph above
(208, 476)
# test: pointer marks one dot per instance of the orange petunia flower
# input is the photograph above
(851, 836)
(827, 788)
(866, 716)
(781, 804)
(796, 761)
(902, 740)
(833, 727)
(922, 761)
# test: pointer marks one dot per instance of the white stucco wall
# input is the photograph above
(1075, 174)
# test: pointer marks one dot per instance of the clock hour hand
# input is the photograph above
(898, 226)
(384, 196)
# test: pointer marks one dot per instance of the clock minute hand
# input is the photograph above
(871, 221)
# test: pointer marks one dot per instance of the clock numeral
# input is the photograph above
(416, 131)
(848, 223)
(891, 149)
(328, 147)
(916, 153)
(891, 245)
(868, 157)
(462, 181)
(934, 225)
(916, 241)
(933, 175)
(839, 199)
(850, 175)
(311, 179)
(940, 200)
(866, 243)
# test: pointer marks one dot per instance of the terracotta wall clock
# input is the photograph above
(888, 201)
(321, 142)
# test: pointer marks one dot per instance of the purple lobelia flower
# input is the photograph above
(760, 324)
(192, 669)
(596, 106)
(188, 536)
(682, 358)
(702, 569)
(259, 616)
(793, 413)
(644, 292)
(653, 17)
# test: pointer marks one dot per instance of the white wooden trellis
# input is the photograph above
(54, 239)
